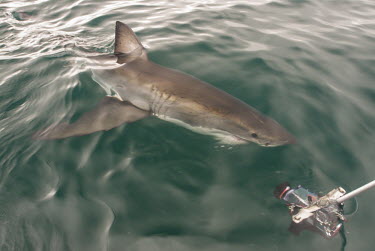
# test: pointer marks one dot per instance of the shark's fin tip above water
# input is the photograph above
(127, 45)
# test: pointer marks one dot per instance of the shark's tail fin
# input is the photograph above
(127, 45)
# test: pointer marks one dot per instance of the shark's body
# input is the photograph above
(147, 89)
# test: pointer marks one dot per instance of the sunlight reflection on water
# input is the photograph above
(153, 185)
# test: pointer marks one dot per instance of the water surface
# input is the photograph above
(152, 185)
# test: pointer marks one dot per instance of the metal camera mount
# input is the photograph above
(322, 214)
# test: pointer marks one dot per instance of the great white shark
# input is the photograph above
(145, 89)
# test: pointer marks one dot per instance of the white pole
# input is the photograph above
(356, 191)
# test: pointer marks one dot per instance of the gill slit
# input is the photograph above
(164, 105)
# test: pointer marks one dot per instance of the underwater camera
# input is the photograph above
(323, 215)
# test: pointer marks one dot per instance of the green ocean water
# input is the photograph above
(153, 185)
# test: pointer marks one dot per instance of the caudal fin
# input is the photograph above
(127, 45)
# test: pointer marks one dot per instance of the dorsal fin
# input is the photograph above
(127, 45)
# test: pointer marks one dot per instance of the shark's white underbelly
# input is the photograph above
(221, 136)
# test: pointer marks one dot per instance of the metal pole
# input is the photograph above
(356, 191)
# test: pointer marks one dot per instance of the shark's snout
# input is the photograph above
(287, 141)
(291, 140)
(266, 132)
(279, 138)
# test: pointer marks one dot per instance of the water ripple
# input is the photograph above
(153, 185)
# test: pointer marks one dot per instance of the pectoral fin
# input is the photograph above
(109, 113)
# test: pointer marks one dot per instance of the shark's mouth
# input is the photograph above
(227, 138)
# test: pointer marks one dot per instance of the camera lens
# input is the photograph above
(281, 189)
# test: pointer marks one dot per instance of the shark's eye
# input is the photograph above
(254, 135)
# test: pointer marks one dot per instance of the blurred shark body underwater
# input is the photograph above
(144, 89)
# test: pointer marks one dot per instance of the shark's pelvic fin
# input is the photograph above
(109, 113)
(127, 45)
